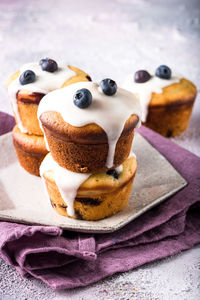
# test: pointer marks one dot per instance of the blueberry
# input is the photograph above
(113, 172)
(26, 77)
(108, 86)
(88, 78)
(141, 76)
(48, 64)
(83, 98)
(163, 72)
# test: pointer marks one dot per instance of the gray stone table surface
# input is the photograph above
(108, 39)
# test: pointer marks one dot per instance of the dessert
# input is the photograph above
(30, 150)
(88, 196)
(166, 99)
(89, 127)
(28, 86)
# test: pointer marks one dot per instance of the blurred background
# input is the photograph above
(106, 39)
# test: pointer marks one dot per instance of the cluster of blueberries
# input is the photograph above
(46, 64)
(142, 76)
(83, 97)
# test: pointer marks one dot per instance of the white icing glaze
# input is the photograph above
(67, 182)
(132, 154)
(109, 112)
(45, 82)
(119, 169)
(144, 90)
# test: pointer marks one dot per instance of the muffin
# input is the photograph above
(30, 150)
(28, 86)
(89, 127)
(86, 196)
(166, 100)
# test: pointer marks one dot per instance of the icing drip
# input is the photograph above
(109, 112)
(132, 154)
(45, 82)
(144, 90)
(45, 140)
(67, 182)
(119, 169)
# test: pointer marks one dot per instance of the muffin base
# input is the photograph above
(30, 150)
(95, 202)
(169, 120)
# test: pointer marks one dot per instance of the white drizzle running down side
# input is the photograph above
(132, 154)
(119, 169)
(67, 182)
(144, 90)
(109, 112)
(45, 82)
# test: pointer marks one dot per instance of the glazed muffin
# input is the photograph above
(28, 86)
(86, 196)
(89, 127)
(30, 150)
(166, 100)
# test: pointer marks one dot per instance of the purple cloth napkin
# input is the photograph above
(64, 259)
(7, 123)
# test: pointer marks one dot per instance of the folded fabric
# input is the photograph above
(64, 259)
(7, 123)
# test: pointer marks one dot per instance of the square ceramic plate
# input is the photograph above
(23, 198)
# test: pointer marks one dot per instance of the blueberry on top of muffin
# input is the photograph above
(48, 64)
(108, 86)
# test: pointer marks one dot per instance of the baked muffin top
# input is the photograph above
(109, 112)
(34, 80)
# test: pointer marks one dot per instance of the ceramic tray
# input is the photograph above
(23, 198)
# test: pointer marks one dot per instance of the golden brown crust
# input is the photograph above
(80, 76)
(56, 127)
(169, 112)
(110, 204)
(102, 182)
(28, 116)
(31, 163)
(84, 149)
(169, 120)
(30, 150)
(99, 196)
(29, 143)
(177, 93)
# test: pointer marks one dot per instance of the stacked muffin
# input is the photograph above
(166, 99)
(89, 129)
(26, 88)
